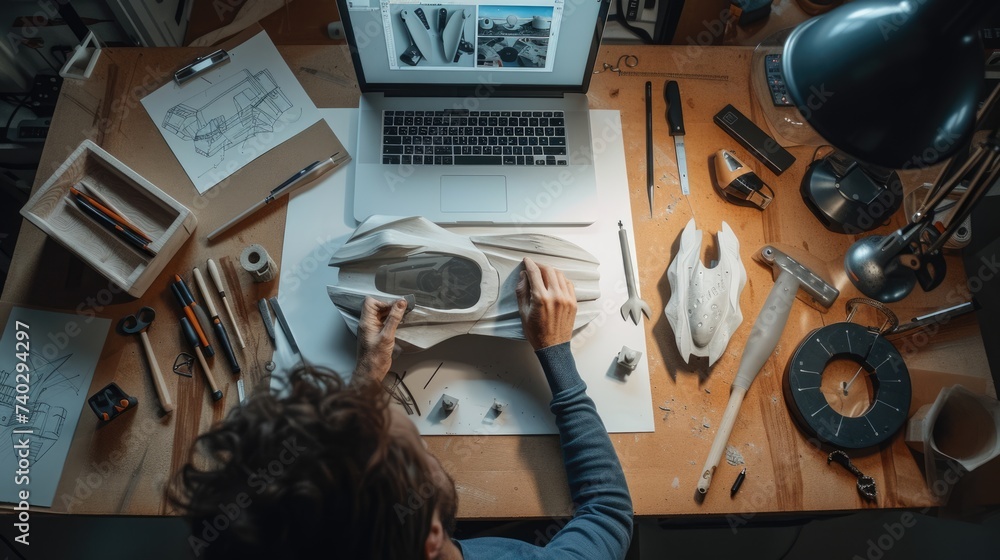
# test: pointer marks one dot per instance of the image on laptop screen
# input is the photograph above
(521, 42)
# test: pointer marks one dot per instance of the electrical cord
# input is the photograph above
(818, 148)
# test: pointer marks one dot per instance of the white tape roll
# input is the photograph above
(258, 263)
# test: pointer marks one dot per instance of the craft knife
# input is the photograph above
(675, 121)
(265, 314)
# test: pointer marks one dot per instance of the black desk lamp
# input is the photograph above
(897, 83)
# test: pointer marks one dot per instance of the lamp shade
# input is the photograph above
(892, 83)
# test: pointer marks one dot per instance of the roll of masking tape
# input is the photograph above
(258, 263)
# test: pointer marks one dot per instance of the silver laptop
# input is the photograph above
(475, 113)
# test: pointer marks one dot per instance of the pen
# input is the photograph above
(311, 172)
(112, 226)
(649, 144)
(104, 209)
(738, 482)
(184, 297)
(220, 329)
(213, 271)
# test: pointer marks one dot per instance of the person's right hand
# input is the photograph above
(547, 302)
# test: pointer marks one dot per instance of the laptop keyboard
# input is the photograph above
(463, 137)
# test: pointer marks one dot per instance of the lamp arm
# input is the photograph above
(947, 183)
(972, 196)
(943, 185)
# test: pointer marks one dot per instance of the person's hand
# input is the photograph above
(377, 337)
(547, 302)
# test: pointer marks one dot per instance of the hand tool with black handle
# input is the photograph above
(220, 329)
(675, 121)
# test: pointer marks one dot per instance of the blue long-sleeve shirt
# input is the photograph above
(601, 527)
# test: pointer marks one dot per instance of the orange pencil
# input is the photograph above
(111, 214)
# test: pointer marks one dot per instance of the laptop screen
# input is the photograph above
(513, 45)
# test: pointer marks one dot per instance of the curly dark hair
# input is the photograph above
(313, 469)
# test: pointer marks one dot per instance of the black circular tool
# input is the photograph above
(890, 381)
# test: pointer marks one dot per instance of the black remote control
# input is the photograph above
(751, 137)
(776, 81)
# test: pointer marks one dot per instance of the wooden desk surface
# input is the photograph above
(122, 467)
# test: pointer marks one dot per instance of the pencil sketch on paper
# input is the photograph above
(49, 380)
(43, 388)
(238, 109)
(229, 116)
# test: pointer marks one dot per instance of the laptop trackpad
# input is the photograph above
(473, 193)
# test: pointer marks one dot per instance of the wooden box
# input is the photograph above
(167, 223)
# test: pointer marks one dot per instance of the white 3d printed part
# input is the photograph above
(704, 306)
(460, 284)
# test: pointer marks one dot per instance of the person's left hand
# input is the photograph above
(377, 337)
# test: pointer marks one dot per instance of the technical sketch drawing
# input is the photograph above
(43, 386)
(49, 382)
(240, 108)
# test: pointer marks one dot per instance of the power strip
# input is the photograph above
(44, 94)
(32, 130)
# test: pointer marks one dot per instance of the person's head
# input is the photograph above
(324, 467)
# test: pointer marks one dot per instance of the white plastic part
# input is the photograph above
(420, 35)
(452, 33)
(461, 284)
(704, 307)
(960, 431)
(628, 358)
(81, 63)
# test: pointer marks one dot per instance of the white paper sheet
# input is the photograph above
(233, 114)
(60, 354)
(474, 369)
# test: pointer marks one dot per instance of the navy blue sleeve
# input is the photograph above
(601, 527)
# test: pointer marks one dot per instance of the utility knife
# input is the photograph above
(675, 121)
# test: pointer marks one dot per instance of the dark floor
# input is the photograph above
(872, 535)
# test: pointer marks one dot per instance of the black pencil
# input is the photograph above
(109, 224)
